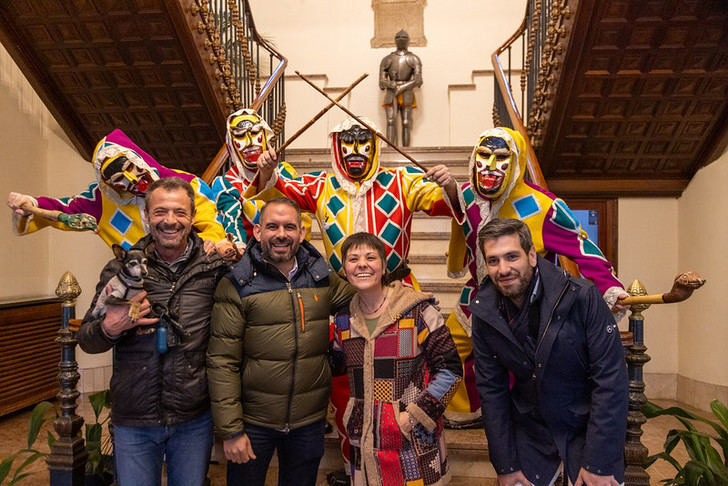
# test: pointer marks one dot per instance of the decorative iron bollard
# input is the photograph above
(67, 460)
(635, 453)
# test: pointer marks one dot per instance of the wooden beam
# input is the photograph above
(595, 187)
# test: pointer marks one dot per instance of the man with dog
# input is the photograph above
(161, 407)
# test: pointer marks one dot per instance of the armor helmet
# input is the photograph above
(401, 40)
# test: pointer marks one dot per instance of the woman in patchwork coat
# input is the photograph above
(403, 369)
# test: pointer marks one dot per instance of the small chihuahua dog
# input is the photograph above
(125, 284)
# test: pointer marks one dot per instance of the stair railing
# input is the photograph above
(250, 69)
(536, 39)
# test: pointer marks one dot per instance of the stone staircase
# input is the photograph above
(468, 453)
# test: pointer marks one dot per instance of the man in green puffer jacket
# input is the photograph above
(268, 370)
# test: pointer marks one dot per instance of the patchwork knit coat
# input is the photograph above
(409, 363)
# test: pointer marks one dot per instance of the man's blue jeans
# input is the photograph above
(140, 451)
(299, 454)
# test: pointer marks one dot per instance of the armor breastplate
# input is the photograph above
(399, 69)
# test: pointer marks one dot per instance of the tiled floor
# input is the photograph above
(13, 437)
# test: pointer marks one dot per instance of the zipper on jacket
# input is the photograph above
(561, 296)
(295, 354)
(300, 306)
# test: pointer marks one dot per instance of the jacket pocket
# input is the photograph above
(190, 388)
(134, 384)
(353, 420)
(579, 412)
(387, 425)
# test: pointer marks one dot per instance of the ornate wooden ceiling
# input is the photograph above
(128, 64)
(641, 103)
(642, 100)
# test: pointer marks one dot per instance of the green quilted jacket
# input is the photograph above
(267, 357)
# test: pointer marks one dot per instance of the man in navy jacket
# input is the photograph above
(549, 365)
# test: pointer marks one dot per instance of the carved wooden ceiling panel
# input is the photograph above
(643, 94)
(105, 64)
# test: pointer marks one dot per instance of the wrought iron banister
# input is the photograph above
(537, 33)
(245, 61)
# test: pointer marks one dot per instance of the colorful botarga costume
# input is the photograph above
(382, 202)
(497, 189)
(247, 137)
(119, 162)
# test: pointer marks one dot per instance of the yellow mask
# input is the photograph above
(356, 149)
(249, 138)
(493, 167)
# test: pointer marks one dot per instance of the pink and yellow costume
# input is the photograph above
(554, 230)
(120, 216)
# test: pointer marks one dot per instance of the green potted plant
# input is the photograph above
(100, 463)
(40, 415)
(705, 467)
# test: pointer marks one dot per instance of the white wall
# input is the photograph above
(39, 159)
(703, 240)
(648, 252)
(333, 39)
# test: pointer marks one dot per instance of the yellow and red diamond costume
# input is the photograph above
(381, 203)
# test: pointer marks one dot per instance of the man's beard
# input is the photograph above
(269, 255)
(515, 289)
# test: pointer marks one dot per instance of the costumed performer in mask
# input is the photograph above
(497, 189)
(248, 136)
(116, 198)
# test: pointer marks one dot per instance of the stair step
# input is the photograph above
(415, 235)
(456, 158)
(427, 259)
(442, 286)
(421, 154)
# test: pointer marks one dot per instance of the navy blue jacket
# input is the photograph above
(580, 380)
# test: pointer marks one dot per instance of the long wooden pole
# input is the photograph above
(320, 114)
(363, 123)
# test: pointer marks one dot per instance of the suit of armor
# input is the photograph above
(400, 72)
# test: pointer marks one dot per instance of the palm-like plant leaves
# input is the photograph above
(38, 417)
(706, 467)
